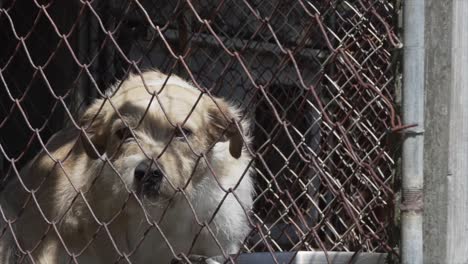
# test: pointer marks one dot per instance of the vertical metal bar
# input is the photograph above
(413, 112)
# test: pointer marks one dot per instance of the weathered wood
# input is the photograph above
(457, 228)
(438, 42)
(446, 139)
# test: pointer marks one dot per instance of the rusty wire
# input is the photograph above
(316, 77)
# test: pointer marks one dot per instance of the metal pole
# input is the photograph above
(413, 113)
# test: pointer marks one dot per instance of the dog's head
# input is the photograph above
(159, 138)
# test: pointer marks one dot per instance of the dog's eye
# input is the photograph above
(124, 133)
(179, 135)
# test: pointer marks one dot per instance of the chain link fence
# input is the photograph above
(315, 78)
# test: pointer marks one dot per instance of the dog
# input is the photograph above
(158, 171)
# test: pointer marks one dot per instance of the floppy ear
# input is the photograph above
(222, 118)
(94, 123)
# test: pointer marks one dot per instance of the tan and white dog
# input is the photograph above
(153, 177)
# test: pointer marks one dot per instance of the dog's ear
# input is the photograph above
(93, 121)
(222, 120)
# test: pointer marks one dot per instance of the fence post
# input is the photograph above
(413, 152)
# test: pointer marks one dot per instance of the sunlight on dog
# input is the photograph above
(162, 169)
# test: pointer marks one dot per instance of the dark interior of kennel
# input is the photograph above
(297, 151)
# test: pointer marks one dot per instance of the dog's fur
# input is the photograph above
(85, 187)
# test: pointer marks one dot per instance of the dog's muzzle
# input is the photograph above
(148, 179)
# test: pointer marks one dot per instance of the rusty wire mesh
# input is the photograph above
(315, 77)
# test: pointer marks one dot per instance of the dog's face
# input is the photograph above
(159, 144)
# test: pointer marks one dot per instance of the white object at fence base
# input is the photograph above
(308, 257)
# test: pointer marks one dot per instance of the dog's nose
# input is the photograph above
(147, 169)
(148, 179)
